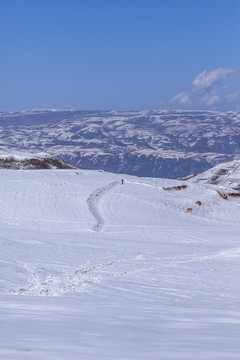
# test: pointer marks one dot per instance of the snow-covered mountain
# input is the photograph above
(167, 144)
(22, 160)
(225, 174)
(103, 266)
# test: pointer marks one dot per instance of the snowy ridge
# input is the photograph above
(20, 155)
(160, 280)
(12, 159)
(226, 174)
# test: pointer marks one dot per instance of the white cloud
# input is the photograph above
(210, 88)
(234, 96)
(211, 99)
(207, 79)
(182, 99)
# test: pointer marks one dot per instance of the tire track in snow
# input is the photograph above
(92, 204)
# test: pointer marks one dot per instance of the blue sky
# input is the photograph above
(118, 54)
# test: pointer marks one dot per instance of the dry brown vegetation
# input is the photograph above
(223, 196)
(179, 187)
(234, 194)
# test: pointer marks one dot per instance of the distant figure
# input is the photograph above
(122, 182)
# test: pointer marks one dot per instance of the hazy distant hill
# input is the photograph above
(146, 143)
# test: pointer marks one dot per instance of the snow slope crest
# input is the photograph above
(225, 174)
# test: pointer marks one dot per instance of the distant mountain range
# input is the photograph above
(168, 144)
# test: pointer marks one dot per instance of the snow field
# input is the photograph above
(95, 269)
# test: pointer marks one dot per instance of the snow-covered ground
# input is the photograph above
(95, 269)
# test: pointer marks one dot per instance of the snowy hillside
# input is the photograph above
(225, 174)
(93, 267)
(21, 160)
(168, 144)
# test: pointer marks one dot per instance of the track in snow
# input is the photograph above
(92, 204)
(44, 282)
